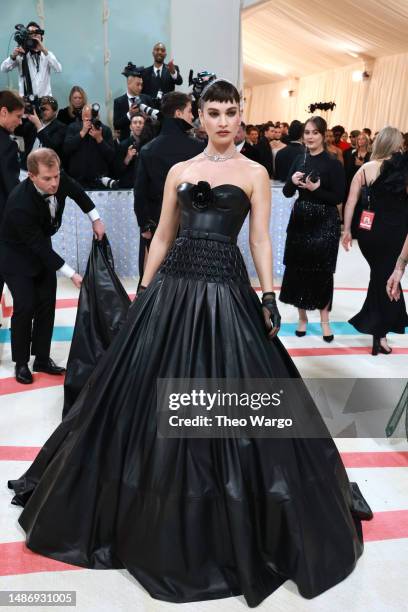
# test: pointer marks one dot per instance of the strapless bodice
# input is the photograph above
(219, 210)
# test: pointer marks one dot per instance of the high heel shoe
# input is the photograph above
(378, 347)
(328, 338)
(301, 334)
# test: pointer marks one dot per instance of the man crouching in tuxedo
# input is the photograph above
(32, 214)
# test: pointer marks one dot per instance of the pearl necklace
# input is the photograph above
(218, 158)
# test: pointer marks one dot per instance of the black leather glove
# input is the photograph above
(271, 313)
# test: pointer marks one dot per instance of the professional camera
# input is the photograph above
(31, 104)
(24, 38)
(148, 110)
(97, 123)
(200, 81)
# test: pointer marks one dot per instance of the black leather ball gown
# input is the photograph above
(192, 519)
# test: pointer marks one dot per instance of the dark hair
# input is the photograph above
(295, 130)
(10, 100)
(172, 101)
(367, 131)
(251, 128)
(284, 124)
(338, 128)
(220, 91)
(243, 125)
(49, 100)
(33, 24)
(319, 123)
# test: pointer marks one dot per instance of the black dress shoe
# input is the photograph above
(48, 366)
(23, 374)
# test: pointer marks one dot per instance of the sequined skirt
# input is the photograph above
(311, 249)
(313, 235)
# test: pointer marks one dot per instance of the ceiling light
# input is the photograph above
(357, 75)
(352, 53)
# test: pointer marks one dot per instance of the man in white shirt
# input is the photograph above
(39, 62)
(33, 213)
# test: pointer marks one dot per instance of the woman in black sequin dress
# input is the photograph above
(205, 518)
(313, 231)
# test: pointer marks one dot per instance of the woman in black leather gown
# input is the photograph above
(384, 181)
(195, 519)
(313, 233)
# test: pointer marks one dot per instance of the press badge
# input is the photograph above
(367, 219)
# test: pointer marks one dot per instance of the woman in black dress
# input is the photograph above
(313, 232)
(207, 518)
(382, 182)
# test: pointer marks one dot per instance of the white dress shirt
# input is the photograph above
(173, 76)
(93, 214)
(41, 78)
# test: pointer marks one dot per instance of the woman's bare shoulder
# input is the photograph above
(177, 171)
(253, 168)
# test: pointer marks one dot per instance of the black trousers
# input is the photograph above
(32, 322)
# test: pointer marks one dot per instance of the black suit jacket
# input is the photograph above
(85, 158)
(51, 136)
(151, 84)
(9, 167)
(250, 151)
(156, 158)
(25, 234)
(120, 110)
(285, 158)
(264, 151)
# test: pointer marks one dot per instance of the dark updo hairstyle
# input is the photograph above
(220, 91)
(320, 125)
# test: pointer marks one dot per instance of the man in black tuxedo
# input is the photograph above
(89, 150)
(263, 148)
(126, 106)
(28, 262)
(11, 113)
(46, 131)
(171, 146)
(286, 156)
(160, 78)
(243, 146)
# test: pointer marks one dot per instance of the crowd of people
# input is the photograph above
(196, 316)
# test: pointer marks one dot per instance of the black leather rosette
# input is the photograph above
(202, 195)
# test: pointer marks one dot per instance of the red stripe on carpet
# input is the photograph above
(19, 453)
(389, 525)
(351, 459)
(41, 381)
(341, 350)
(16, 558)
(374, 460)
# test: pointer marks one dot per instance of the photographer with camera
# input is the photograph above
(132, 102)
(76, 101)
(142, 131)
(43, 130)
(172, 145)
(89, 149)
(33, 61)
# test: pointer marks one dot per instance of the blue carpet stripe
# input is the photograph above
(340, 328)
